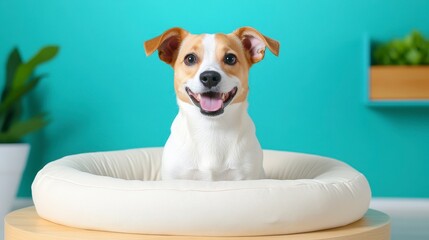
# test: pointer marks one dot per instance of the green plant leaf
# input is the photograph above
(12, 64)
(16, 94)
(413, 49)
(6, 138)
(19, 81)
(22, 128)
(12, 115)
(413, 57)
(25, 70)
(45, 54)
(13, 61)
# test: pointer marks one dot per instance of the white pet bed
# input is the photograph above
(119, 191)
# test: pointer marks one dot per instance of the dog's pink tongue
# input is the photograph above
(210, 104)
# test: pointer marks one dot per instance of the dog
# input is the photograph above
(212, 137)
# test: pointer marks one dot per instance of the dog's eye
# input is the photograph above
(230, 59)
(191, 59)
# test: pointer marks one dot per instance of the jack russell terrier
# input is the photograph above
(212, 137)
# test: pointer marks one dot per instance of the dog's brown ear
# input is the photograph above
(255, 43)
(167, 44)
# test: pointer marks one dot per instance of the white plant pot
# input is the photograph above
(13, 158)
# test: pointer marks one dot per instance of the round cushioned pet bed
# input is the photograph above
(121, 191)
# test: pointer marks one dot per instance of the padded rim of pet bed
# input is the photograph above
(120, 191)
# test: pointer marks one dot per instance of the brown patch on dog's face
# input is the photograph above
(192, 44)
(230, 44)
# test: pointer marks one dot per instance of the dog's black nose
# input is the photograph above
(210, 78)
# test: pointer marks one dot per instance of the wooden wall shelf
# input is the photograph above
(394, 86)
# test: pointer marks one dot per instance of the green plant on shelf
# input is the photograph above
(411, 50)
(20, 80)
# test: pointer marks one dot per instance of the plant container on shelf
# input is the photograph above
(399, 83)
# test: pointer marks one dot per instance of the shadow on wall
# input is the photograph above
(414, 117)
(37, 140)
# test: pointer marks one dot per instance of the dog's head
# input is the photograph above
(211, 70)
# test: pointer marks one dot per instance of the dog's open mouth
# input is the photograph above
(212, 103)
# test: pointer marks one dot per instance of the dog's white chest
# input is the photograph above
(214, 149)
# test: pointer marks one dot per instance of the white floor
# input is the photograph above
(410, 217)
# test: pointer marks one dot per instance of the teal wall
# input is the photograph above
(103, 93)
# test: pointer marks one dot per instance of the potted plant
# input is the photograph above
(20, 80)
(400, 69)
